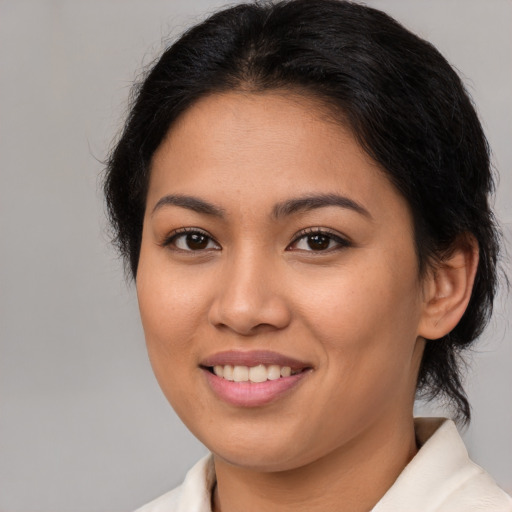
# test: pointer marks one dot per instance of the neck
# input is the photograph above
(354, 476)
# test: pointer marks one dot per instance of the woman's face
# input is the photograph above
(273, 244)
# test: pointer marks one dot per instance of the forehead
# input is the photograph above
(274, 118)
(264, 146)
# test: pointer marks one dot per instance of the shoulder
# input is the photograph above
(193, 495)
(442, 478)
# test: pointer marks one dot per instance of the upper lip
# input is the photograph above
(252, 358)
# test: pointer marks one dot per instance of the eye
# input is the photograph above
(318, 241)
(191, 240)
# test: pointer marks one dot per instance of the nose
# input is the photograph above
(250, 297)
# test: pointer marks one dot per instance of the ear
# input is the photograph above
(447, 289)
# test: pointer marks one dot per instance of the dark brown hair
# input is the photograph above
(402, 100)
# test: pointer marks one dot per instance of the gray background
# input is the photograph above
(83, 425)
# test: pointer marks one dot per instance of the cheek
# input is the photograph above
(170, 314)
(366, 322)
(170, 300)
(169, 308)
(351, 299)
(366, 316)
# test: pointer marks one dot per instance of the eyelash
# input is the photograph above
(329, 236)
(170, 241)
(341, 242)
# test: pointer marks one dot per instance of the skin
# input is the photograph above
(356, 312)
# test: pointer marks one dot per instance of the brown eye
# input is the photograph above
(318, 242)
(191, 241)
(196, 241)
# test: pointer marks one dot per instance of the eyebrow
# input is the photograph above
(190, 203)
(312, 202)
(283, 209)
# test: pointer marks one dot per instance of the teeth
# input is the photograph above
(259, 373)
(274, 372)
(240, 374)
(228, 372)
(286, 371)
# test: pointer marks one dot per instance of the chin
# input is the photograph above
(271, 449)
(265, 461)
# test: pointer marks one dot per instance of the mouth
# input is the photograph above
(254, 374)
(251, 379)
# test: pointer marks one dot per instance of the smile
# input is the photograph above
(255, 374)
(253, 379)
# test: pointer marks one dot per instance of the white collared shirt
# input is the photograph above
(440, 478)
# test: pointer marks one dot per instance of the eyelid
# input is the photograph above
(340, 239)
(175, 234)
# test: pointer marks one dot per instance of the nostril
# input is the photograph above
(249, 319)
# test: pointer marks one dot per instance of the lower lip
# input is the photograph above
(252, 394)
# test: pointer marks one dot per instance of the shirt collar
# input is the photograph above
(441, 462)
(440, 465)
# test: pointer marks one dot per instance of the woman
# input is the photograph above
(301, 193)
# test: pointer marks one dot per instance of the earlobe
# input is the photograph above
(447, 289)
